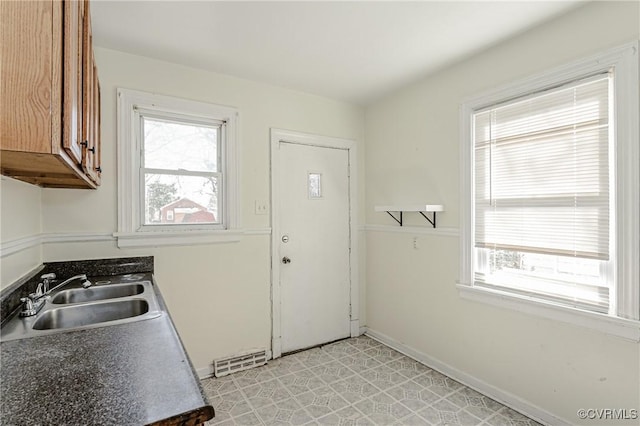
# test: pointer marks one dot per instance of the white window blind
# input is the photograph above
(542, 193)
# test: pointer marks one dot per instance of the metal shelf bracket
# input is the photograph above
(423, 209)
(432, 222)
(395, 218)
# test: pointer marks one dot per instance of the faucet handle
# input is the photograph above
(39, 290)
(46, 280)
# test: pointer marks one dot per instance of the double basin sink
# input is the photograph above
(100, 305)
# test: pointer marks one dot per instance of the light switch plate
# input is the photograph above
(262, 207)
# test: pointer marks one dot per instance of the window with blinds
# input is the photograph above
(542, 200)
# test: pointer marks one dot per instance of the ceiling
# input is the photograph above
(352, 51)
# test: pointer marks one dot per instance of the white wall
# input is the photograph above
(20, 208)
(219, 294)
(413, 157)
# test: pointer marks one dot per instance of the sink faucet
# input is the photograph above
(33, 303)
(85, 284)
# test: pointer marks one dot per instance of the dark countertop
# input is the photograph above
(134, 373)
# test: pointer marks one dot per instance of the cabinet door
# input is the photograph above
(27, 60)
(96, 127)
(88, 101)
(90, 117)
(74, 16)
(92, 153)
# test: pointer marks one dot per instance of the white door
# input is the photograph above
(313, 246)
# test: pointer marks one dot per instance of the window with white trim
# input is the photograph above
(177, 169)
(180, 170)
(544, 177)
(541, 206)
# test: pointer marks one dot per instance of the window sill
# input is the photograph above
(620, 327)
(179, 238)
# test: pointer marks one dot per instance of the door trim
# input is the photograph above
(277, 136)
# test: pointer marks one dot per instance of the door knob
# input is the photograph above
(286, 260)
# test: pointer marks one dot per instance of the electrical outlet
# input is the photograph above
(261, 207)
(415, 243)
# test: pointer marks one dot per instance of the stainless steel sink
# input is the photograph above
(89, 314)
(97, 293)
(78, 309)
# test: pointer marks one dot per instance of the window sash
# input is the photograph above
(182, 119)
(178, 118)
(179, 172)
(185, 120)
(219, 218)
(563, 286)
(542, 185)
(597, 300)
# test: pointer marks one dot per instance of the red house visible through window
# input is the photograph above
(185, 210)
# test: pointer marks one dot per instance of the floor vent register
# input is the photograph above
(224, 366)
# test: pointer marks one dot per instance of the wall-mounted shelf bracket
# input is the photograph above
(432, 222)
(395, 218)
(422, 209)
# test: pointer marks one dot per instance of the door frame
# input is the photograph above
(277, 136)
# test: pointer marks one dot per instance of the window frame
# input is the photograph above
(132, 231)
(538, 284)
(140, 115)
(625, 321)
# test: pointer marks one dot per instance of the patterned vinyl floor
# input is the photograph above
(357, 381)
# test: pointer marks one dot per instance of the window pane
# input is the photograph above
(542, 204)
(172, 199)
(175, 146)
(555, 166)
(568, 280)
(315, 185)
(542, 172)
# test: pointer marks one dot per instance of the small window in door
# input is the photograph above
(315, 185)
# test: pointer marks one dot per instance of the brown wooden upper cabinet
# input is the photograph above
(50, 94)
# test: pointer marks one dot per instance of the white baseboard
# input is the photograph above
(510, 400)
(363, 330)
(204, 372)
